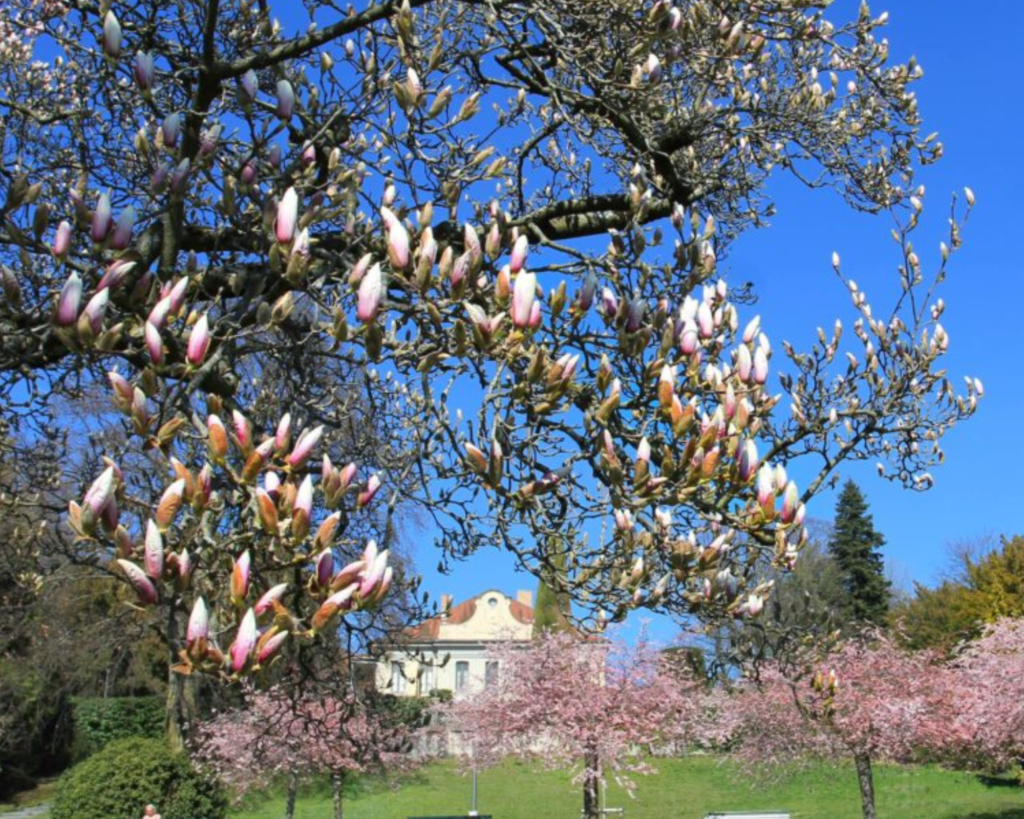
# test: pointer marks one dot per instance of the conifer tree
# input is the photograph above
(855, 545)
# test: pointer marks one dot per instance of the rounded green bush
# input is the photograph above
(119, 781)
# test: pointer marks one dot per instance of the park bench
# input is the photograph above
(456, 816)
(748, 814)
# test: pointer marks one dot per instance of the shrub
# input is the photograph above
(118, 782)
(101, 720)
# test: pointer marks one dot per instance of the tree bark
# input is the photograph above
(337, 787)
(867, 785)
(290, 794)
(591, 785)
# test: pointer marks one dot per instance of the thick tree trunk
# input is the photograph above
(290, 794)
(591, 785)
(867, 785)
(337, 787)
(181, 708)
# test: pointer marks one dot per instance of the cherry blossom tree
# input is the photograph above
(280, 733)
(590, 705)
(868, 700)
(519, 204)
(992, 692)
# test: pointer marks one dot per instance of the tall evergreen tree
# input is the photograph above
(552, 606)
(855, 545)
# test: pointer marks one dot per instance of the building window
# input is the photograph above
(427, 683)
(493, 602)
(397, 678)
(491, 673)
(461, 676)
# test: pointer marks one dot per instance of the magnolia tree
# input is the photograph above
(516, 204)
(868, 700)
(991, 696)
(278, 733)
(590, 705)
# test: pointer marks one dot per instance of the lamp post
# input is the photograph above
(472, 754)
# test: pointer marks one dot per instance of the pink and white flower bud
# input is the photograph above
(96, 309)
(144, 70)
(744, 363)
(154, 343)
(143, 586)
(752, 330)
(287, 217)
(198, 623)
(270, 646)
(170, 129)
(643, 450)
(324, 568)
(283, 433)
(62, 240)
(689, 339)
(243, 429)
(524, 295)
(101, 219)
(748, 461)
(765, 486)
(111, 36)
(371, 292)
(245, 642)
(115, 274)
(285, 101)
(248, 87)
(199, 341)
(153, 551)
(304, 446)
(790, 502)
(272, 595)
(519, 252)
(398, 244)
(760, 370)
(240, 578)
(100, 492)
(366, 496)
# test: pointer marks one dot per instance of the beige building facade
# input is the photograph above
(449, 652)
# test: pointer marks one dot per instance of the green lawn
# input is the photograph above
(683, 789)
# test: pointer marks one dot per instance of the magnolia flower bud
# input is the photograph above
(519, 252)
(154, 343)
(287, 216)
(101, 219)
(523, 299)
(153, 551)
(70, 301)
(143, 586)
(198, 623)
(366, 496)
(304, 446)
(62, 240)
(248, 87)
(790, 502)
(145, 71)
(111, 36)
(199, 341)
(748, 460)
(285, 101)
(240, 579)
(371, 291)
(170, 129)
(274, 594)
(245, 642)
(760, 369)
(398, 244)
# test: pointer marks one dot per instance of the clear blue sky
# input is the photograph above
(972, 96)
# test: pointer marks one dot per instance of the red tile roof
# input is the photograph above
(429, 629)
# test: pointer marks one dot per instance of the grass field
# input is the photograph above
(683, 789)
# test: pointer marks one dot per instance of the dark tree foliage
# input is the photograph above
(856, 545)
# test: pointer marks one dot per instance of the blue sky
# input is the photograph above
(970, 96)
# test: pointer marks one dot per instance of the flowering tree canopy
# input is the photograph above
(991, 696)
(587, 705)
(516, 204)
(279, 733)
(869, 699)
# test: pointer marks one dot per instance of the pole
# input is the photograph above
(472, 752)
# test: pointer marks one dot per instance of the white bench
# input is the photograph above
(748, 814)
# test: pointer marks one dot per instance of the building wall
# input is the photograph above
(435, 662)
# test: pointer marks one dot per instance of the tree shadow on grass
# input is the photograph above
(1002, 781)
(1009, 813)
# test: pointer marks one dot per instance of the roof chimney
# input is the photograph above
(525, 597)
(446, 605)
